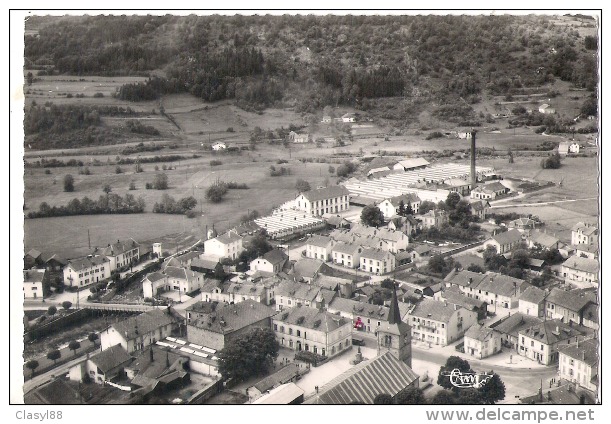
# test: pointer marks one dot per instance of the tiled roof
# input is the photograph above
(347, 248)
(507, 237)
(522, 222)
(552, 331)
(434, 309)
(365, 310)
(573, 300)
(54, 257)
(283, 375)
(229, 237)
(363, 382)
(275, 256)
(182, 273)
(585, 228)
(143, 323)
(458, 298)
(295, 290)
(155, 276)
(545, 240)
(408, 198)
(33, 253)
(586, 351)
(110, 358)
(479, 332)
(514, 323)
(533, 295)
(319, 241)
(379, 233)
(331, 283)
(311, 318)
(503, 285)
(376, 254)
(204, 264)
(465, 278)
(234, 317)
(34, 276)
(413, 163)
(281, 395)
(495, 186)
(307, 267)
(326, 193)
(479, 205)
(582, 264)
(84, 263)
(119, 247)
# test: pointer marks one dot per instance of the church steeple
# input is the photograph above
(395, 336)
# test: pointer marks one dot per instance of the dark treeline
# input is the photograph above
(169, 205)
(106, 204)
(56, 163)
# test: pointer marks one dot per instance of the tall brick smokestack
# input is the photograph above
(473, 175)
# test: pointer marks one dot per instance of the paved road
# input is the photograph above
(520, 205)
(40, 379)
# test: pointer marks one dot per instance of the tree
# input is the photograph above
(52, 310)
(372, 216)
(475, 268)
(74, 345)
(92, 337)
(469, 396)
(493, 390)
(219, 272)
(410, 396)
(510, 154)
(443, 397)
(552, 162)
(132, 185)
(383, 399)
(118, 170)
(32, 365)
(29, 78)
(66, 304)
(452, 363)
(452, 200)
(160, 182)
(401, 211)
(387, 283)
(107, 188)
(249, 354)
(302, 186)
(68, 183)
(439, 265)
(216, 192)
(426, 206)
(589, 107)
(54, 355)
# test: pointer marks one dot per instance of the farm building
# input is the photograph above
(33, 282)
(411, 164)
(298, 138)
(582, 272)
(219, 145)
(489, 191)
(546, 109)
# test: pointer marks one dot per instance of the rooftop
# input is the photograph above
(363, 382)
(552, 331)
(413, 163)
(586, 351)
(33, 276)
(515, 323)
(479, 332)
(507, 237)
(233, 317)
(319, 241)
(142, 324)
(283, 375)
(582, 264)
(376, 254)
(311, 318)
(573, 300)
(229, 237)
(533, 295)
(545, 240)
(119, 247)
(434, 309)
(207, 264)
(308, 268)
(365, 310)
(79, 264)
(275, 256)
(326, 193)
(281, 395)
(110, 358)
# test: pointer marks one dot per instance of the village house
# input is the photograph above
(336, 221)
(505, 242)
(206, 266)
(228, 245)
(589, 251)
(365, 317)
(493, 288)
(271, 262)
(569, 305)
(590, 316)
(541, 342)
(154, 284)
(581, 272)
(348, 255)
(546, 109)
(377, 261)
(289, 294)
(390, 206)
(120, 254)
(199, 310)
(294, 137)
(457, 185)
(523, 225)
(319, 247)
(532, 302)
(546, 241)
(183, 280)
(421, 252)
(103, 366)
(228, 322)
(439, 322)
(159, 370)
(455, 296)
(239, 292)
(139, 331)
(317, 202)
(32, 259)
(306, 269)
(480, 208)
(481, 342)
(434, 218)
(81, 272)
(213, 291)
(406, 224)
(312, 330)
(182, 261)
(34, 281)
(489, 191)
(578, 363)
(349, 117)
(219, 145)
(583, 233)
(411, 164)
(510, 326)
(393, 241)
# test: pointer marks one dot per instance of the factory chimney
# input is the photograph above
(473, 175)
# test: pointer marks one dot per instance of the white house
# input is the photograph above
(390, 207)
(439, 322)
(489, 191)
(532, 302)
(272, 262)
(578, 363)
(139, 331)
(347, 254)
(103, 366)
(481, 342)
(349, 117)
(298, 138)
(154, 284)
(546, 109)
(434, 218)
(33, 282)
(183, 280)
(228, 245)
(121, 253)
(319, 247)
(584, 233)
(480, 208)
(377, 260)
(219, 145)
(542, 341)
(81, 272)
(317, 202)
(583, 272)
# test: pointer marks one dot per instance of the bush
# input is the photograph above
(98, 95)
(215, 162)
(435, 134)
(230, 129)
(69, 183)
(47, 172)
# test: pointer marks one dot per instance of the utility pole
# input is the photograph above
(88, 239)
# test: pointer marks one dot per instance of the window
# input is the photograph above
(275, 327)
(298, 333)
(315, 349)
(282, 328)
(541, 347)
(290, 331)
(304, 334)
(532, 343)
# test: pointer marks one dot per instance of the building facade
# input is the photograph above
(81, 272)
(317, 202)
